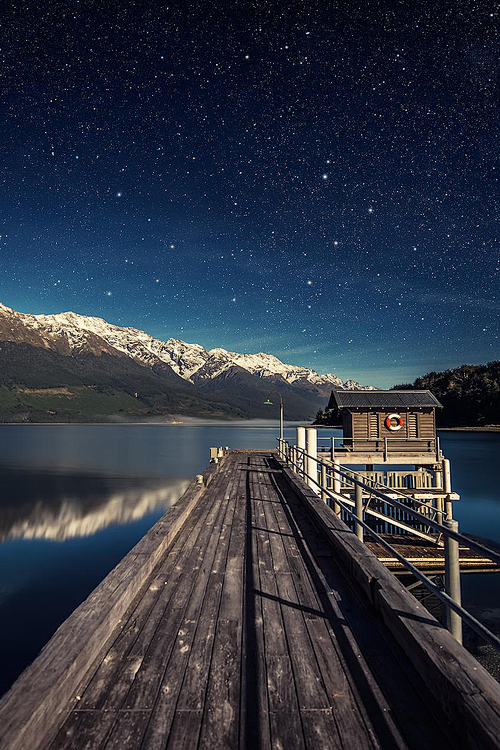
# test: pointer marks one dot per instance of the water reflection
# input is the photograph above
(35, 505)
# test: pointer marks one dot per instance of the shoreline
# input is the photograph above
(486, 428)
(192, 422)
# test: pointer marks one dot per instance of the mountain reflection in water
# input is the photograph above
(60, 506)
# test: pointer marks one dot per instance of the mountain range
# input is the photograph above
(70, 367)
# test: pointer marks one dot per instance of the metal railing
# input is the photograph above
(315, 472)
(381, 444)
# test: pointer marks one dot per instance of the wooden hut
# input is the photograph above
(388, 422)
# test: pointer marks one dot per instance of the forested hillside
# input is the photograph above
(470, 394)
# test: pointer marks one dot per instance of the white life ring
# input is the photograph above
(389, 424)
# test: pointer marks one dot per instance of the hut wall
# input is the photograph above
(365, 427)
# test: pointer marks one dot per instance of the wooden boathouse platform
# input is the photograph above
(250, 616)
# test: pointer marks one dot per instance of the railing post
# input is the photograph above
(452, 579)
(358, 509)
(311, 460)
(301, 445)
(336, 486)
(332, 449)
(324, 496)
(281, 453)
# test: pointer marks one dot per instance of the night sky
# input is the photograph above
(319, 181)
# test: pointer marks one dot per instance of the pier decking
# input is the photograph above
(249, 629)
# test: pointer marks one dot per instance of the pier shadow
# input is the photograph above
(250, 730)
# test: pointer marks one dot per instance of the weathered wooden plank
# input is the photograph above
(143, 620)
(349, 716)
(192, 696)
(110, 686)
(128, 730)
(185, 730)
(310, 688)
(221, 721)
(284, 714)
(188, 716)
(309, 685)
(274, 634)
(254, 728)
(84, 730)
(320, 731)
(220, 726)
(145, 686)
(170, 693)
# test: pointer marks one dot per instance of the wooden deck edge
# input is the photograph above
(31, 709)
(461, 688)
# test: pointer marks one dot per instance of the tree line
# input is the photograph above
(470, 396)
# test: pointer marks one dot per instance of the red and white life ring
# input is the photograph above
(389, 423)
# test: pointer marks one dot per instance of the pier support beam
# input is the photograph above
(447, 486)
(311, 460)
(452, 580)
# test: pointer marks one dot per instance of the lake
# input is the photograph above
(75, 498)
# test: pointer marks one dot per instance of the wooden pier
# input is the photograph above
(250, 617)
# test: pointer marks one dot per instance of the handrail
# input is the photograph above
(394, 490)
(457, 536)
(477, 626)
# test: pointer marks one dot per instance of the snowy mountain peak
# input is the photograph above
(192, 362)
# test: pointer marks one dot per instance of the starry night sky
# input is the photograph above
(315, 180)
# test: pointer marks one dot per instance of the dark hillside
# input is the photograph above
(470, 394)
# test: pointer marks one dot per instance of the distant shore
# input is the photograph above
(486, 428)
(192, 421)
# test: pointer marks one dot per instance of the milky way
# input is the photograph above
(314, 180)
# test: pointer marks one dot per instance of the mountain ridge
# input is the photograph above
(101, 353)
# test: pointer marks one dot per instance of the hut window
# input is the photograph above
(412, 426)
(373, 426)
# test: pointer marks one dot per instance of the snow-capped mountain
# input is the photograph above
(189, 368)
(189, 361)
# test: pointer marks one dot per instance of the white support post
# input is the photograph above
(301, 445)
(447, 485)
(311, 460)
(446, 475)
(452, 580)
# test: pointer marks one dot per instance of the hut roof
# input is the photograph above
(383, 399)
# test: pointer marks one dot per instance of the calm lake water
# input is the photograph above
(75, 498)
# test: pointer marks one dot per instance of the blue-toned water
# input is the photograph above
(75, 498)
